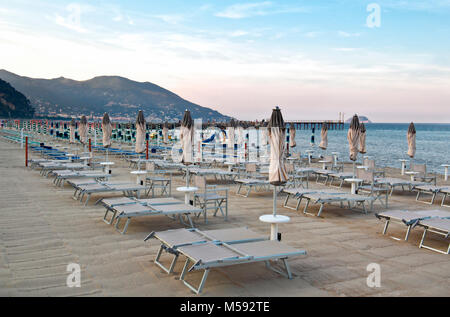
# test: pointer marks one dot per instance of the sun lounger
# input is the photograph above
(339, 177)
(132, 209)
(128, 189)
(432, 190)
(298, 192)
(250, 183)
(63, 175)
(397, 182)
(435, 225)
(323, 198)
(446, 193)
(408, 218)
(207, 250)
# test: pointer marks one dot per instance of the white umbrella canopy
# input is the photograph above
(83, 130)
(165, 132)
(324, 137)
(231, 134)
(107, 130)
(277, 135)
(292, 133)
(353, 138)
(140, 133)
(72, 129)
(187, 137)
(411, 138)
(362, 139)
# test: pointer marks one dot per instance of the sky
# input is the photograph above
(388, 60)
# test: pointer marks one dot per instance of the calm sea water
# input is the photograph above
(386, 143)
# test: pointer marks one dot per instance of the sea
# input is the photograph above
(386, 143)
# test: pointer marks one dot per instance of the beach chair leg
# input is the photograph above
(386, 226)
(172, 264)
(191, 287)
(443, 200)
(287, 274)
(306, 207)
(408, 231)
(320, 209)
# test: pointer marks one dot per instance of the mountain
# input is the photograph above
(120, 97)
(13, 104)
(362, 119)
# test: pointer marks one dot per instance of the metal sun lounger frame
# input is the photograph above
(437, 226)
(127, 188)
(409, 219)
(250, 183)
(147, 207)
(323, 197)
(432, 190)
(60, 178)
(231, 245)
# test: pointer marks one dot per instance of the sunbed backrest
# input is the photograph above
(200, 181)
(289, 167)
(151, 166)
(251, 168)
(365, 175)
(421, 168)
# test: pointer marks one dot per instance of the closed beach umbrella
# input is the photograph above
(83, 130)
(187, 136)
(140, 133)
(292, 132)
(324, 137)
(231, 134)
(72, 131)
(411, 137)
(277, 135)
(353, 138)
(107, 130)
(277, 171)
(240, 135)
(362, 139)
(165, 132)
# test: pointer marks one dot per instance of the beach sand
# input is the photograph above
(42, 230)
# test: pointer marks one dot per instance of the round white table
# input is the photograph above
(411, 174)
(445, 166)
(230, 165)
(274, 220)
(354, 182)
(139, 176)
(106, 166)
(324, 163)
(187, 191)
(403, 165)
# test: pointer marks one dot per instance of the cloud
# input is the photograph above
(247, 10)
(346, 34)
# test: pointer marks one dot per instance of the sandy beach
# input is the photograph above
(42, 230)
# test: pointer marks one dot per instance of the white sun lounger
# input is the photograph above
(323, 198)
(64, 175)
(435, 225)
(202, 254)
(249, 183)
(398, 182)
(432, 190)
(409, 218)
(129, 211)
(128, 189)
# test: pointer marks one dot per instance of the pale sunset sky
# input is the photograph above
(312, 58)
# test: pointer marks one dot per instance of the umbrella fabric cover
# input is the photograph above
(140, 133)
(83, 130)
(324, 137)
(292, 132)
(165, 133)
(187, 137)
(72, 129)
(411, 138)
(107, 130)
(353, 138)
(277, 135)
(362, 139)
(231, 135)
